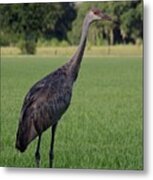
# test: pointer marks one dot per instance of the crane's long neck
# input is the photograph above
(75, 61)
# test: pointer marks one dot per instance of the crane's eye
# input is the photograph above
(96, 11)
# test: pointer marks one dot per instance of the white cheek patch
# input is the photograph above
(94, 16)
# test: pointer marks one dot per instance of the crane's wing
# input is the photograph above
(33, 94)
(26, 130)
(45, 102)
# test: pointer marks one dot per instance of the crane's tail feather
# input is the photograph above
(20, 142)
(25, 134)
(19, 147)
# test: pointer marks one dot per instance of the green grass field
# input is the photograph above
(103, 128)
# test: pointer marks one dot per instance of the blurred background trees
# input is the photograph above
(28, 25)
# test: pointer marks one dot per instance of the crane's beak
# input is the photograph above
(106, 17)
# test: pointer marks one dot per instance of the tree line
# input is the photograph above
(26, 24)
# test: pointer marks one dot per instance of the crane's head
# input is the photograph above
(96, 14)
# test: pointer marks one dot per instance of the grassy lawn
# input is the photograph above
(117, 50)
(101, 129)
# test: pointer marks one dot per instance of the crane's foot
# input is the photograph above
(51, 157)
(51, 163)
(37, 159)
(37, 163)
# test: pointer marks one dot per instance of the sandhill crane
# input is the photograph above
(49, 98)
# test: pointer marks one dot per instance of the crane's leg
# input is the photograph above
(51, 152)
(37, 154)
